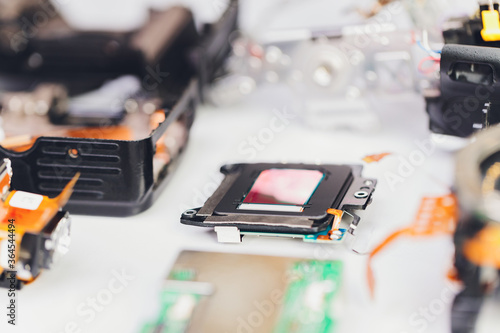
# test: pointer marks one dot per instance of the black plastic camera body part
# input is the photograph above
(118, 177)
(469, 99)
(52, 51)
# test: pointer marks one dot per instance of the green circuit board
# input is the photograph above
(309, 298)
(179, 299)
(200, 295)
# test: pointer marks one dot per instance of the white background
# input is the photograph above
(411, 273)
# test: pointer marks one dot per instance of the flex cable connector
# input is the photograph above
(34, 231)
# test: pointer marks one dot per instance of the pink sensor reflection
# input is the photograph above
(284, 186)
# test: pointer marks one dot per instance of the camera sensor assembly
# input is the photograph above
(477, 238)
(34, 231)
(312, 202)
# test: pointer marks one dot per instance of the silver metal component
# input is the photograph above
(350, 200)
(228, 234)
(59, 241)
(190, 213)
(326, 70)
(361, 194)
(49, 245)
(352, 229)
(23, 271)
(335, 235)
(291, 222)
(5, 171)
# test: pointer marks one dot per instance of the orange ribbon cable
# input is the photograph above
(375, 158)
(337, 218)
(436, 216)
(30, 212)
(25, 142)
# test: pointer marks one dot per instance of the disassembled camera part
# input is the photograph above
(195, 292)
(478, 30)
(469, 94)
(467, 99)
(57, 125)
(180, 297)
(312, 202)
(477, 238)
(92, 58)
(328, 77)
(34, 231)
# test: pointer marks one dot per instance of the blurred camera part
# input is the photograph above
(115, 106)
(465, 98)
(468, 101)
(477, 238)
(332, 74)
(299, 295)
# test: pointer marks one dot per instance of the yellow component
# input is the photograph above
(491, 26)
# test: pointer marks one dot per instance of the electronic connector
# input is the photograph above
(34, 230)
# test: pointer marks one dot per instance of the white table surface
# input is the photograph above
(411, 273)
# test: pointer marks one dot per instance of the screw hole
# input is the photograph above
(190, 212)
(73, 153)
(361, 195)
